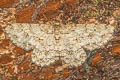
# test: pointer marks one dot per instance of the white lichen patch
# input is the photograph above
(54, 42)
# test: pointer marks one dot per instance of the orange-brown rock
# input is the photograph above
(4, 51)
(115, 50)
(11, 69)
(49, 73)
(7, 3)
(50, 76)
(96, 60)
(19, 51)
(1, 32)
(5, 59)
(71, 1)
(24, 15)
(50, 11)
(24, 66)
(29, 77)
(65, 72)
(5, 43)
(2, 35)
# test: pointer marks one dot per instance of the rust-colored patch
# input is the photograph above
(19, 51)
(115, 50)
(71, 1)
(4, 51)
(96, 60)
(5, 59)
(7, 3)
(65, 72)
(29, 77)
(53, 9)
(50, 76)
(1, 32)
(5, 43)
(49, 73)
(50, 11)
(24, 15)
(24, 66)
(11, 70)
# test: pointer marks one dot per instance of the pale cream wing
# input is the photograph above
(38, 37)
(17, 34)
(90, 36)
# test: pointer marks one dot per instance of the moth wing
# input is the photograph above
(26, 36)
(44, 58)
(90, 36)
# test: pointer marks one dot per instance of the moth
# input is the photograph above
(53, 42)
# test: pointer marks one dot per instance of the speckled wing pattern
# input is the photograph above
(54, 42)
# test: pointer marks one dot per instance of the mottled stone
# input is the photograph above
(7, 3)
(5, 59)
(24, 15)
